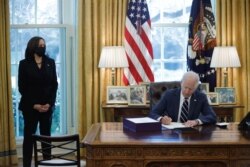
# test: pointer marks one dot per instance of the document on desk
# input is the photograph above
(174, 125)
(142, 120)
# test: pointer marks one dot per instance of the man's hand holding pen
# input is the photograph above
(166, 120)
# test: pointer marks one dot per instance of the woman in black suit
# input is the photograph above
(37, 83)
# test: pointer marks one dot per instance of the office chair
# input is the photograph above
(156, 90)
(67, 150)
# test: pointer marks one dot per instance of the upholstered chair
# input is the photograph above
(156, 89)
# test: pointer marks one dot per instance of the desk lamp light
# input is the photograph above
(224, 57)
(113, 57)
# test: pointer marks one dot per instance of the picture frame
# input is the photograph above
(204, 87)
(137, 95)
(226, 95)
(213, 98)
(117, 95)
(147, 84)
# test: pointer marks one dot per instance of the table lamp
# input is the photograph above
(224, 57)
(113, 57)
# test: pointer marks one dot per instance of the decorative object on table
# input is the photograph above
(117, 95)
(137, 95)
(213, 98)
(113, 57)
(147, 84)
(204, 87)
(226, 95)
(224, 57)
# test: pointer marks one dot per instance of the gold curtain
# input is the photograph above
(233, 28)
(100, 23)
(8, 154)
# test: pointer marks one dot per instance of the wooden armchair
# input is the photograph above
(57, 150)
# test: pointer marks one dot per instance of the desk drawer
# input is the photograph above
(186, 153)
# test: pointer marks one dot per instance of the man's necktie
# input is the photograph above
(184, 111)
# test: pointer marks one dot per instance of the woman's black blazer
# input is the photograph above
(37, 86)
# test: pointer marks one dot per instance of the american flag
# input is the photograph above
(137, 44)
(197, 44)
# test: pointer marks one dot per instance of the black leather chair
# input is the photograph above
(156, 89)
(65, 150)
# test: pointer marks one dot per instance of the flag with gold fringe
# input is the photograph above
(201, 42)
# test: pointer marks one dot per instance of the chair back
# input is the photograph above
(156, 90)
(56, 150)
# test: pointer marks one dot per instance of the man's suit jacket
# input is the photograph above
(199, 107)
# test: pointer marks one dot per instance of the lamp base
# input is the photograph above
(225, 77)
(113, 73)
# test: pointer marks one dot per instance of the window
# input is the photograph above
(44, 18)
(169, 21)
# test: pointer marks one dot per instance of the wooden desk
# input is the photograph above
(108, 145)
(115, 113)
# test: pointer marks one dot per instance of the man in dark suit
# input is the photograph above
(169, 108)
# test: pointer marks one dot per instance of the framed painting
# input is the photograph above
(117, 95)
(213, 98)
(204, 87)
(226, 95)
(147, 84)
(137, 95)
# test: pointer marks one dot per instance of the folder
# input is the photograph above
(141, 124)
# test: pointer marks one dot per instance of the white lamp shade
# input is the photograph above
(113, 57)
(225, 56)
